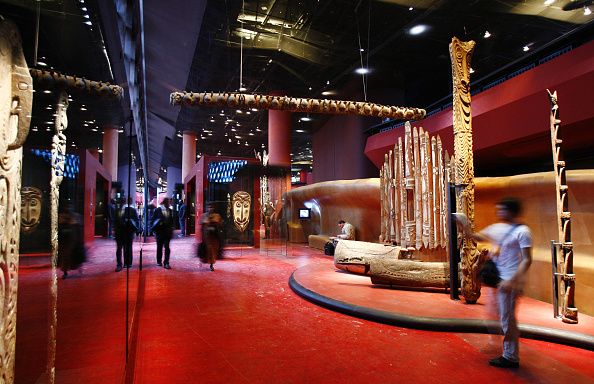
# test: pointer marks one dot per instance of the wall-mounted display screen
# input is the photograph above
(304, 213)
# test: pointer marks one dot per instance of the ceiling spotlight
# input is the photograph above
(179, 135)
(88, 22)
(471, 70)
(526, 48)
(417, 30)
(410, 9)
(242, 89)
(361, 50)
(587, 11)
(362, 71)
(326, 93)
(305, 118)
(487, 34)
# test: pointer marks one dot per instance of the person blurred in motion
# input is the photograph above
(182, 219)
(126, 225)
(111, 216)
(512, 259)
(162, 225)
(71, 251)
(211, 222)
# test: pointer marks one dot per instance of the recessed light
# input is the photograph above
(487, 34)
(417, 30)
(362, 71)
(526, 48)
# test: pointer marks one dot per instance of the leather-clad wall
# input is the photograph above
(357, 201)
(354, 201)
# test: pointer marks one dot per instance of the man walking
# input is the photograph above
(162, 225)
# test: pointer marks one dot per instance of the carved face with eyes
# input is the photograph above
(31, 202)
(241, 209)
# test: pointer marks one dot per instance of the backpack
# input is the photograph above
(329, 249)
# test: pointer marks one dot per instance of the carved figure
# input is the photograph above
(356, 256)
(241, 100)
(460, 56)
(241, 209)
(569, 313)
(16, 99)
(31, 204)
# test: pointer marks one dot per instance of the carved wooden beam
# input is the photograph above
(295, 104)
(461, 55)
(569, 313)
(70, 84)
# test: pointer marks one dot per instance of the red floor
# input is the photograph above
(242, 323)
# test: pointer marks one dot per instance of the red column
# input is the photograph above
(279, 146)
(110, 150)
(279, 135)
(303, 176)
(188, 153)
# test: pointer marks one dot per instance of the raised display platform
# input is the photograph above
(431, 310)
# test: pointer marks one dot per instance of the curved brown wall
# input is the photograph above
(357, 201)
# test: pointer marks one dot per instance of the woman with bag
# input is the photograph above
(211, 222)
(513, 259)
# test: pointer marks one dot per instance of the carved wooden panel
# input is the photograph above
(419, 200)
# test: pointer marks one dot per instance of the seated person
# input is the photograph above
(348, 231)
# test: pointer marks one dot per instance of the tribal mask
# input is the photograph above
(31, 203)
(241, 209)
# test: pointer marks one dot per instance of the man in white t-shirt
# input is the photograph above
(348, 231)
(514, 259)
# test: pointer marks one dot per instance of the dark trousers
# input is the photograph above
(124, 242)
(182, 225)
(163, 242)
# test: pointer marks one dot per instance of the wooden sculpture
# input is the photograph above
(70, 84)
(294, 104)
(16, 100)
(414, 197)
(461, 55)
(569, 313)
(241, 209)
(414, 214)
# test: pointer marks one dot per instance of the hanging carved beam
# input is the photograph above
(70, 84)
(295, 104)
(569, 313)
(460, 56)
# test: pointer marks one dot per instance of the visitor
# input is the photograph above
(211, 222)
(348, 231)
(513, 259)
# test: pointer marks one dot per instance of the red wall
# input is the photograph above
(511, 120)
(89, 169)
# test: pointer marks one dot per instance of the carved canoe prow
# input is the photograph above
(356, 256)
(409, 273)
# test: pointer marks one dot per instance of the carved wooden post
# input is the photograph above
(58, 156)
(16, 99)
(568, 310)
(461, 55)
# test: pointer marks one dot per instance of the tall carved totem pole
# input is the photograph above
(569, 312)
(16, 99)
(463, 172)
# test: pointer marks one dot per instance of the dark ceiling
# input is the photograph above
(309, 48)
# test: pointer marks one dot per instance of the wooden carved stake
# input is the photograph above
(461, 55)
(58, 161)
(569, 312)
(16, 100)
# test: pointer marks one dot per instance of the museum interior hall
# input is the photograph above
(287, 191)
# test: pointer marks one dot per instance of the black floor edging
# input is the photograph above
(528, 331)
